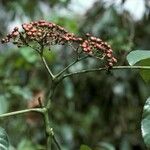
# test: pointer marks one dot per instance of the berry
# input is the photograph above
(49, 33)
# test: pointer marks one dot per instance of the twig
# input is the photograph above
(56, 142)
(47, 67)
(105, 68)
(38, 110)
(70, 65)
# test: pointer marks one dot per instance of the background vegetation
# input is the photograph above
(100, 110)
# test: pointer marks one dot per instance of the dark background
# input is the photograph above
(98, 109)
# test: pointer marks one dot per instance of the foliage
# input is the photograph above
(146, 123)
(141, 57)
(101, 110)
(4, 143)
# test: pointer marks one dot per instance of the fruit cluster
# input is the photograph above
(93, 45)
(12, 35)
(43, 32)
(47, 34)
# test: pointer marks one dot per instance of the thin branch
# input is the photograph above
(105, 68)
(70, 65)
(38, 110)
(56, 142)
(131, 67)
(47, 67)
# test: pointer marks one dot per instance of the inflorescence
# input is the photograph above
(47, 34)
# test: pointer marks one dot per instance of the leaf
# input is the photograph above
(145, 124)
(135, 56)
(142, 57)
(145, 73)
(106, 146)
(85, 147)
(4, 142)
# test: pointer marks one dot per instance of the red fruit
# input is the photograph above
(110, 64)
(110, 51)
(29, 33)
(109, 55)
(9, 35)
(85, 49)
(3, 41)
(87, 34)
(33, 30)
(15, 33)
(114, 59)
(93, 38)
(16, 29)
(34, 23)
(33, 34)
(67, 38)
(24, 26)
(41, 21)
(84, 45)
(29, 26)
(39, 30)
(98, 40)
(79, 39)
(98, 46)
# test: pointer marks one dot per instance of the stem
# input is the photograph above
(38, 110)
(105, 68)
(48, 130)
(70, 65)
(56, 142)
(47, 67)
(131, 67)
(52, 90)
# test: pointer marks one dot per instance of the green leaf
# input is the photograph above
(85, 147)
(135, 56)
(142, 57)
(145, 124)
(4, 142)
(145, 73)
(106, 146)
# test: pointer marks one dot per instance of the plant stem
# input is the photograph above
(38, 110)
(47, 67)
(66, 68)
(56, 142)
(131, 67)
(48, 130)
(105, 68)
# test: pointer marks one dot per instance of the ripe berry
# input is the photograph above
(16, 29)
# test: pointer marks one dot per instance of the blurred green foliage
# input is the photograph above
(100, 110)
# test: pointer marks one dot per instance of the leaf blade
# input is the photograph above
(135, 56)
(145, 124)
(85, 147)
(4, 142)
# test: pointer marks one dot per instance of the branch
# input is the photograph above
(38, 110)
(131, 67)
(105, 68)
(47, 67)
(56, 142)
(70, 65)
